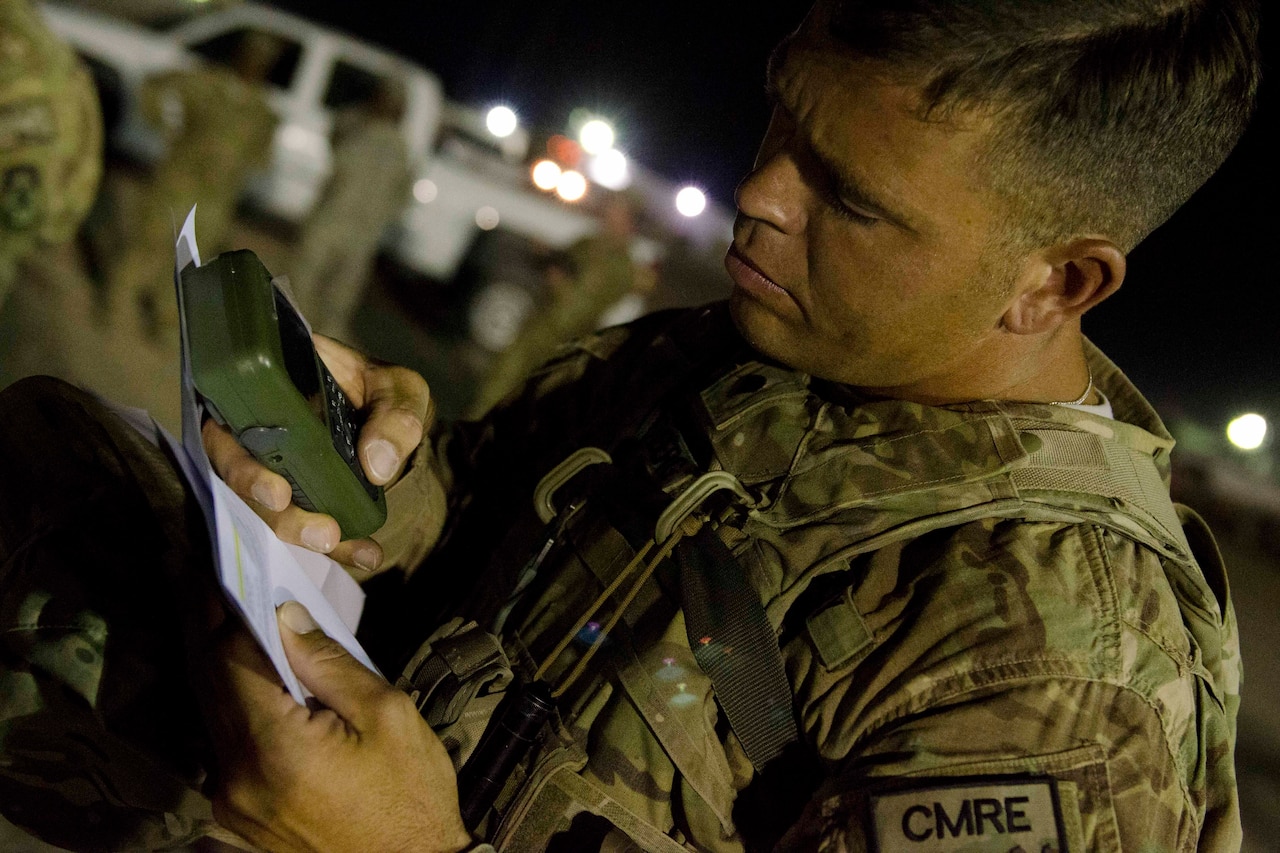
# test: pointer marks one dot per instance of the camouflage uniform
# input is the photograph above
(220, 130)
(977, 653)
(955, 625)
(103, 555)
(368, 187)
(50, 138)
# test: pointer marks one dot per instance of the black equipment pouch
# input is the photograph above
(457, 678)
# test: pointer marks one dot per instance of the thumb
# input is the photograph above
(338, 680)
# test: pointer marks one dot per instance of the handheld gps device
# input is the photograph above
(253, 363)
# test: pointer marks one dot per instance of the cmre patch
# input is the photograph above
(974, 814)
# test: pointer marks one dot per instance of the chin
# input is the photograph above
(765, 332)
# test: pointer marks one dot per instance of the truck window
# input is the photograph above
(277, 55)
(350, 86)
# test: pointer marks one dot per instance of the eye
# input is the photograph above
(844, 211)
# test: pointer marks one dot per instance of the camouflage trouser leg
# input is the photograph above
(102, 557)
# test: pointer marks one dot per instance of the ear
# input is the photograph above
(1060, 283)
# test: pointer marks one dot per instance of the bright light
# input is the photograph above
(425, 190)
(501, 121)
(1247, 432)
(295, 138)
(487, 218)
(691, 201)
(546, 174)
(609, 169)
(596, 136)
(571, 186)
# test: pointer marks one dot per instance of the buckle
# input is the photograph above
(692, 498)
(555, 479)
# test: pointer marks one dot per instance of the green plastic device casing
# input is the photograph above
(253, 363)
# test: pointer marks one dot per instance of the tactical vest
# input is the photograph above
(591, 586)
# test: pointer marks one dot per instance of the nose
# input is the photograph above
(773, 192)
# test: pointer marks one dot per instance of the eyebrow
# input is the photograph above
(847, 186)
(773, 66)
(849, 189)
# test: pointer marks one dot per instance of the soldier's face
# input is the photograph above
(860, 251)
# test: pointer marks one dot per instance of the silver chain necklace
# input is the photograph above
(1088, 389)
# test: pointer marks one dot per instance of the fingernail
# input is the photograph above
(317, 538)
(366, 557)
(297, 618)
(383, 459)
(262, 494)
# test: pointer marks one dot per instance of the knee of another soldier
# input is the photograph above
(35, 410)
(60, 444)
(40, 387)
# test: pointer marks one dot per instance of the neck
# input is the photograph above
(1010, 367)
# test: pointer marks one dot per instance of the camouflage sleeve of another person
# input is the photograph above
(1008, 685)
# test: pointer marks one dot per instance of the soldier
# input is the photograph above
(594, 274)
(50, 139)
(369, 185)
(879, 556)
(219, 129)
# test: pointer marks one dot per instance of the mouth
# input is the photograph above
(749, 277)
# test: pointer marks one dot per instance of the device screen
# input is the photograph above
(299, 355)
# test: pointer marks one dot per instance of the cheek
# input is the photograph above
(864, 268)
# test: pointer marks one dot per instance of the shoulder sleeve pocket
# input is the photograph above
(1052, 803)
(1063, 796)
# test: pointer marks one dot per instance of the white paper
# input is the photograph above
(257, 570)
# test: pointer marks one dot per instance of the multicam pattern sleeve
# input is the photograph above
(1008, 663)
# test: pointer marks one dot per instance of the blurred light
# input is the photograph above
(564, 151)
(609, 169)
(487, 218)
(596, 136)
(682, 699)
(501, 121)
(1247, 432)
(425, 190)
(497, 313)
(546, 174)
(571, 186)
(691, 201)
(590, 634)
(295, 138)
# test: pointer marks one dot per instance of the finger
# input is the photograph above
(347, 365)
(244, 692)
(260, 487)
(325, 668)
(397, 403)
(312, 530)
(400, 411)
(365, 555)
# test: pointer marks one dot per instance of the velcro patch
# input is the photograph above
(27, 122)
(974, 814)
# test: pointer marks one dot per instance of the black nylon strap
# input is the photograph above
(734, 645)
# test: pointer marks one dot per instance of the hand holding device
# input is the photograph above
(250, 351)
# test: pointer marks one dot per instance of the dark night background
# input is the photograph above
(683, 81)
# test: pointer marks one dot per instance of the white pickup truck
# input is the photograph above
(460, 168)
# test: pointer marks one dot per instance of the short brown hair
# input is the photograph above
(1110, 113)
